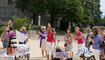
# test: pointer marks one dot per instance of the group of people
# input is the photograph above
(94, 37)
(47, 40)
(8, 35)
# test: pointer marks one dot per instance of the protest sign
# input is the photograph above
(64, 54)
(84, 51)
(22, 50)
(3, 51)
(6, 57)
(20, 36)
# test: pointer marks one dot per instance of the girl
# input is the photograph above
(54, 33)
(68, 39)
(4, 38)
(43, 36)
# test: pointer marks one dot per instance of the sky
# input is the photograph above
(102, 8)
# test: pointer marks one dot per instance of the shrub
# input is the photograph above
(1, 30)
(19, 22)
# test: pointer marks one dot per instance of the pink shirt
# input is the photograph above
(81, 40)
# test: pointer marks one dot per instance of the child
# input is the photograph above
(68, 39)
(5, 38)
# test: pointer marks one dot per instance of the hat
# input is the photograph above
(43, 27)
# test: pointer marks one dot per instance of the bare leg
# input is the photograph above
(47, 57)
(51, 57)
(42, 53)
(46, 53)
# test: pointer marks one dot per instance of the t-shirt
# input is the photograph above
(68, 38)
(97, 41)
(81, 40)
(42, 38)
(50, 37)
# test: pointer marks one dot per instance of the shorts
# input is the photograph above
(43, 46)
(96, 54)
(5, 43)
(69, 47)
(22, 42)
(81, 45)
(50, 48)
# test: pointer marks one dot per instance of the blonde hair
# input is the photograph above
(77, 28)
(23, 28)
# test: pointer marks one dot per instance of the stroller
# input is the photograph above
(61, 51)
(20, 50)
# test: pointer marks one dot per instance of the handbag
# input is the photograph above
(102, 46)
(65, 45)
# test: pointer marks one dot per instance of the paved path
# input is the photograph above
(36, 51)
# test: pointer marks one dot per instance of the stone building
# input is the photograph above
(7, 10)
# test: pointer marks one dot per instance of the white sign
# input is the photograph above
(62, 54)
(20, 36)
(84, 51)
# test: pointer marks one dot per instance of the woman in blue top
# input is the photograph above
(96, 41)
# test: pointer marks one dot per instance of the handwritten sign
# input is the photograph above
(6, 58)
(20, 36)
(3, 51)
(62, 54)
(22, 50)
(84, 51)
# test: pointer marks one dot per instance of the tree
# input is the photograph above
(68, 10)
(88, 17)
(32, 7)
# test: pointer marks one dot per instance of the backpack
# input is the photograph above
(12, 34)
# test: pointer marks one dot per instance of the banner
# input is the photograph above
(22, 50)
(62, 54)
(84, 51)
(6, 57)
(3, 51)
(20, 36)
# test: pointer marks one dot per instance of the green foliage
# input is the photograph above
(19, 22)
(1, 30)
(78, 11)
(103, 21)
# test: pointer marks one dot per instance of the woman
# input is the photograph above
(11, 36)
(96, 41)
(54, 33)
(68, 39)
(4, 38)
(103, 38)
(23, 30)
(10, 24)
(43, 36)
(50, 43)
(79, 38)
(87, 41)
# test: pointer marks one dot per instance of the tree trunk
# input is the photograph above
(52, 20)
(35, 19)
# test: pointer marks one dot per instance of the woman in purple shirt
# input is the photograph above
(43, 37)
(96, 41)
